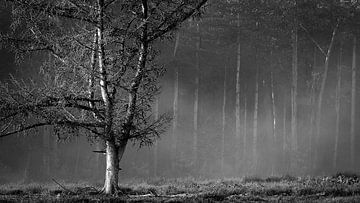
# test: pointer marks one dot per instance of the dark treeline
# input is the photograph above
(254, 87)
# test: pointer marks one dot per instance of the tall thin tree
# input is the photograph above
(337, 108)
(353, 105)
(196, 97)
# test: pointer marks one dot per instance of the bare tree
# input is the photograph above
(100, 72)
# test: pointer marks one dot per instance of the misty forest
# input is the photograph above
(238, 100)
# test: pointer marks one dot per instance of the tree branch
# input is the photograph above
(174, 24)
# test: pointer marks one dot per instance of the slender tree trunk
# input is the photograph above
(337, 109)
(223, 124)
(353, 106)
(245, 128)
(312, 114)
(255, 121)
(175, 119)
(294, 90)
(273, 119)
(196, 99)
(112, 156)
(284, 134)
(321, 93)
(156, 144)
(237, 107)
(46, 151)
(55, 154)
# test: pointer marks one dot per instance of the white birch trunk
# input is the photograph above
(312, 114)
(114, 154)
(284, 132)
(223, 125)
(273, 123)
(156, 144)
(353, 106)
(255, 122)
(196, 99)
(175, 119)
(244, 153)
(321, 93)
(237, 107)
(337, 109)
(294, 99)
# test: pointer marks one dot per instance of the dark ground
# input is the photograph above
(338, 188)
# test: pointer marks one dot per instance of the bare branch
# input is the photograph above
(313, 40)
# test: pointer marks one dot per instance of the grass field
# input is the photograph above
(338, 188)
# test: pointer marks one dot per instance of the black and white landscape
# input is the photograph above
(179, 100)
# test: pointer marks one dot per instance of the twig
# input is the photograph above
(313, 40)
(63, 187)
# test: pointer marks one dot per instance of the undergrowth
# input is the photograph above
(232, 189)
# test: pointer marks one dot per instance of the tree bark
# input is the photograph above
(353, 106)
(237, 107)
(284, 133)
(313, 113)
(46, 151)
(294, 91)
(196, 98)
(223, 124)
(55, 154)
(337, 109)
(114, 154)
(273, 119)
(244, 154)
(175, 119)
(156, 144)
(255, 121)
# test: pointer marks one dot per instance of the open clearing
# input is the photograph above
(338, 188)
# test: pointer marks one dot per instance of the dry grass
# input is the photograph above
(338, 188)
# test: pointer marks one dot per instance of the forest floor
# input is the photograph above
(338, 188)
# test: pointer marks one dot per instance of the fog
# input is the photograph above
(40, 156)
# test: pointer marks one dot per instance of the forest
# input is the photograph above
(233, 100)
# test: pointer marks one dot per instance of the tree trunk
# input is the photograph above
(337, 109)
(273, 119)
(196, 99)
(255, 121)
(175, 119)
(46, 152)
(353, 106)
(244, 154)
(156, 144)
(55, 154)
(114, 154)
(321, 93)
(284, 134)
(237, 107)
(294, 90)
(223, 124)
(312, 113)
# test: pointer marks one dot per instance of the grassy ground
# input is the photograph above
(339, 188)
